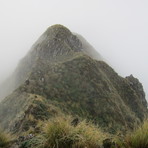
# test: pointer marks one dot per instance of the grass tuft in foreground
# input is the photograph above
(60, 133)
(137, 139)
(4, 139)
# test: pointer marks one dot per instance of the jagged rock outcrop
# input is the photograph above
(58, 69)
(137, 86)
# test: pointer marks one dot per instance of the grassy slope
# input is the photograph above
(80, 86)
(76, 85)
(25, 111)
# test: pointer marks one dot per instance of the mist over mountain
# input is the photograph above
(117, 30)
(82, 84)
(14, 81)
(63, 74)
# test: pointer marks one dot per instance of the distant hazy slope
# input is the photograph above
(89, 49)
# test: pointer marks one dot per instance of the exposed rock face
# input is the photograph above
(62, 74)
(139, 92)
(57, 40)
(137, 86)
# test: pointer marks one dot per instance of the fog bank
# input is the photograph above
(117, 29)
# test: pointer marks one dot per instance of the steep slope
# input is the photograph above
(62, 77)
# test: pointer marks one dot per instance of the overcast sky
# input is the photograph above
(118, 29)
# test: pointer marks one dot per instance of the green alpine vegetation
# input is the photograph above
(61, 133)
(136, 139)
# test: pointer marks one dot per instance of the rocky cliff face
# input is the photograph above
(59, 75)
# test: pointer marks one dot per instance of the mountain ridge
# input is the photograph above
(57, 72)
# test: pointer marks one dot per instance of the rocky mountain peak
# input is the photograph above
(57, 40)
(58, 31)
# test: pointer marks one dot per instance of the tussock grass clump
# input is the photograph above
(60, 133)
(138, 138)
(4, 139)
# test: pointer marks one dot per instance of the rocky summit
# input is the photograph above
(63, 74)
